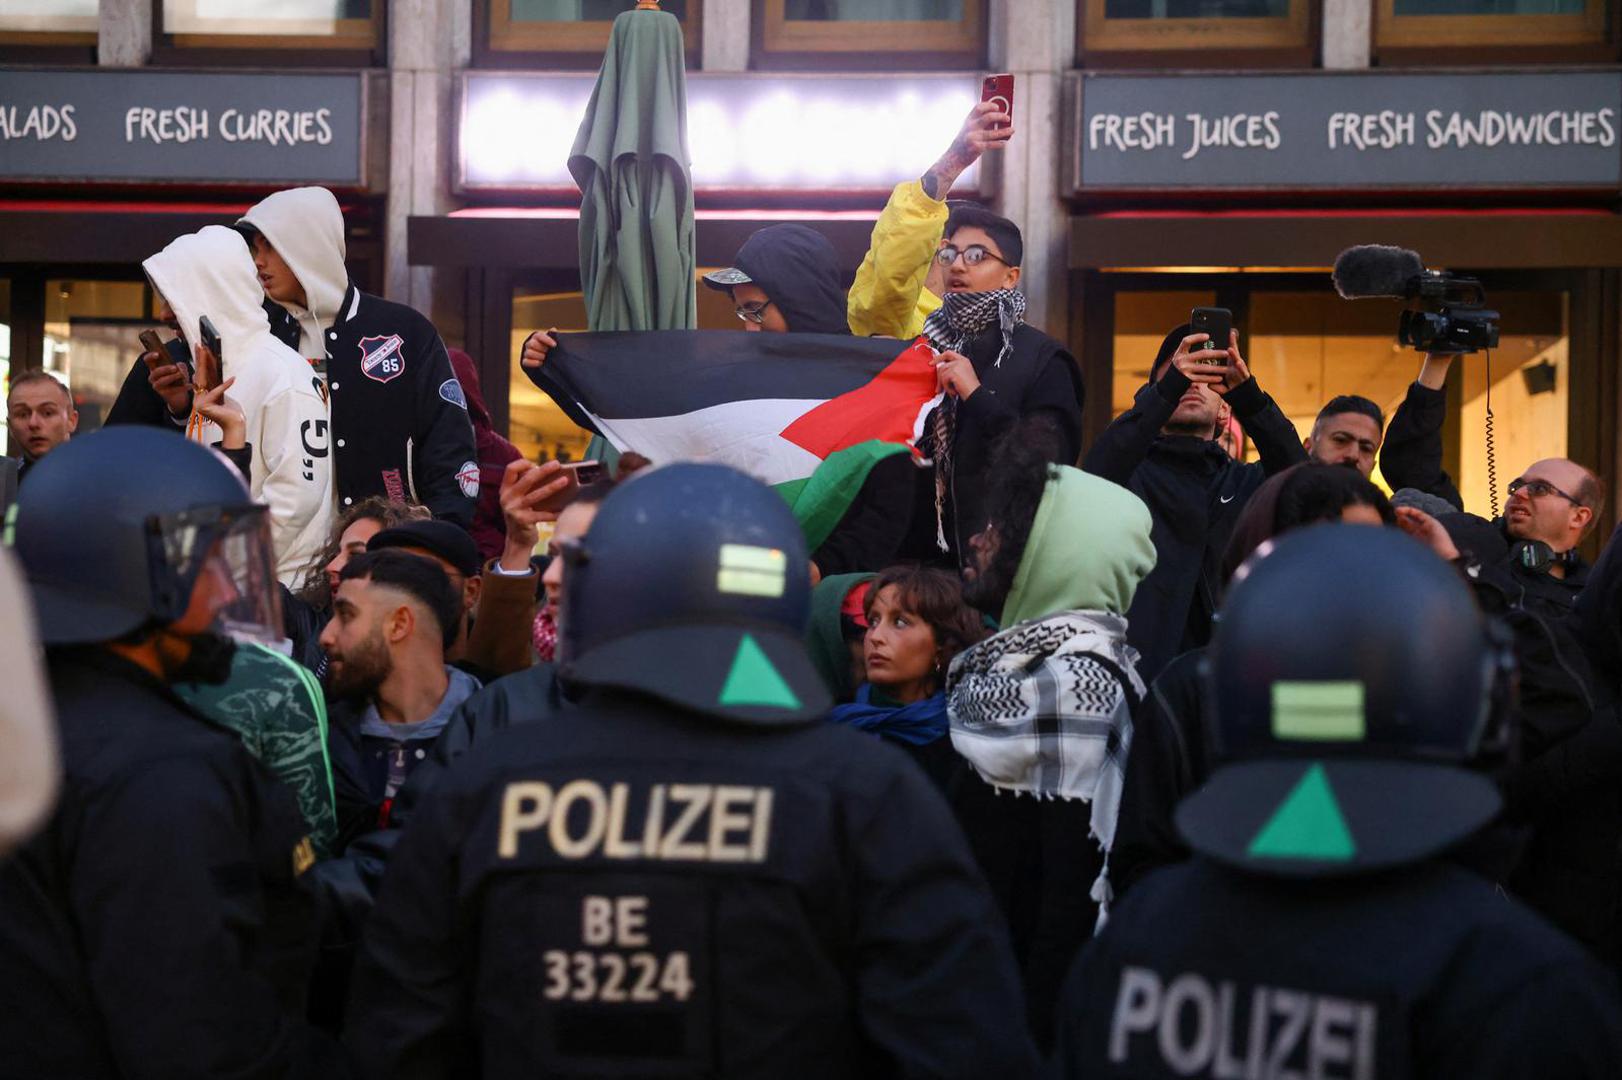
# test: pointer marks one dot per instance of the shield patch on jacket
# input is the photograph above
(382, 358)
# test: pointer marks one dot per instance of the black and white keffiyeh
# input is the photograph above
(960, 319)
(1040, 709)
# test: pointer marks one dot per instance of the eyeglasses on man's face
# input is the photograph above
(1537, 489)
(753, 313)
(973, 255)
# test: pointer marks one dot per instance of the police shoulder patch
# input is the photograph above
(467, 478)
(451, 391)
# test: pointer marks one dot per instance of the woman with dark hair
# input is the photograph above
(917, 623)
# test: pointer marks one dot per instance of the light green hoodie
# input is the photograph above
(1088, 550)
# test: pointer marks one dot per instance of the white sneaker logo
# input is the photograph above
(1226, 499)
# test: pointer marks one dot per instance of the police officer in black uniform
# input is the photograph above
(158, 926)
(1328, 925)
(689, 874)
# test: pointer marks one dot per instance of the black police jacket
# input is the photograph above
(1425, 972)
(400, 427)
(622, 889)
(158, 926)
(1195, 493)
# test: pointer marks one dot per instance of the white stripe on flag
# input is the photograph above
(744, 434)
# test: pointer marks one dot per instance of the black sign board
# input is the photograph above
(1331, 130)
(216, 127)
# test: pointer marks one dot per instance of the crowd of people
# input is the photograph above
(1085, 754)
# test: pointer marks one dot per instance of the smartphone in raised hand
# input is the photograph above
(1215, 321)
(210, 339)
(999, 90)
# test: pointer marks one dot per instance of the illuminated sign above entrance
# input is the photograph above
(746, 133)
(1342, 131)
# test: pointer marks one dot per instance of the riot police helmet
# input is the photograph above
(115, 528)
(1353, 682)
(693, 586)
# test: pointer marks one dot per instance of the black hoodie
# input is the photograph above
(797, 267)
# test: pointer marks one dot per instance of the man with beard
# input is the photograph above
(1164, 450)
(1346, 432)
(160, 925)
(393, 617)
(1043, 708)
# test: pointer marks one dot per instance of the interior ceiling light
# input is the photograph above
(745, 132)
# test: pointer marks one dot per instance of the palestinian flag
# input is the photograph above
(807, 413)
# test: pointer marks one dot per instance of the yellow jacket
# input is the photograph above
(888, 297)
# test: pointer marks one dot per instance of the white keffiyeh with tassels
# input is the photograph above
(1039, 709)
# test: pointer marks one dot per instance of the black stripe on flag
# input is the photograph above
(642, 374)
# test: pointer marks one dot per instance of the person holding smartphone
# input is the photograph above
(899, 283)
(1165, 450)
(210, 275)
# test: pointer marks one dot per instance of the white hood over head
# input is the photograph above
(306, 227)
(210, 272)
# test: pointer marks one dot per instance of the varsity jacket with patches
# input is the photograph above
(400, 427)
(399, 418)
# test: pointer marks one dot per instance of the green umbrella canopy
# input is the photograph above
(630, 160)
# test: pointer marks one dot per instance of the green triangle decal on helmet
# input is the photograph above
(1307, 824)
(754, 681)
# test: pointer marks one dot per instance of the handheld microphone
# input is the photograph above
(1376, 270)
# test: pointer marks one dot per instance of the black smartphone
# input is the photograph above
(1215, 321)
(210, 336)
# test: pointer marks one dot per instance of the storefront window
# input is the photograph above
(322, 24)
(1201, 32)
(564, 26)
(1307, 347)
(48, 22)
(92, 333)
(540, 429)
(952, 30)
(1420, 24)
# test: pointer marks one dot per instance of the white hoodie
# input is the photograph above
(211, 273)
(306, 227)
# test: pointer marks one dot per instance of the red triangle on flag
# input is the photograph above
(888, 408)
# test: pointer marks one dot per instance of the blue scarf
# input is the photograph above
(917, 724)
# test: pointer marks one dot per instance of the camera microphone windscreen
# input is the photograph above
(1371, 270)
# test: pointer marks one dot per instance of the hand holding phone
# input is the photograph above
(999, 91)
(209, 358)
(1218, 324)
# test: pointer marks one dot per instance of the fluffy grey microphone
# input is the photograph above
(1371, 270)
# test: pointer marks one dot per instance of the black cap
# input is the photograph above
(1353, 682)
(693, 586)
(450, 542)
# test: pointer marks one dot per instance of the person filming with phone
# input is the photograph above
(208, 292)
(1164, 449)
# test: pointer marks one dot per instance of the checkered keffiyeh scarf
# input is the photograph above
(1040, 709)
(960, 319)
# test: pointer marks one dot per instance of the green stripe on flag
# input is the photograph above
(820, 500)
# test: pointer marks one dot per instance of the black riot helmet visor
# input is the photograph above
(115, 530)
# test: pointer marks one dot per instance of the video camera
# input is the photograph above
(1448, 313)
